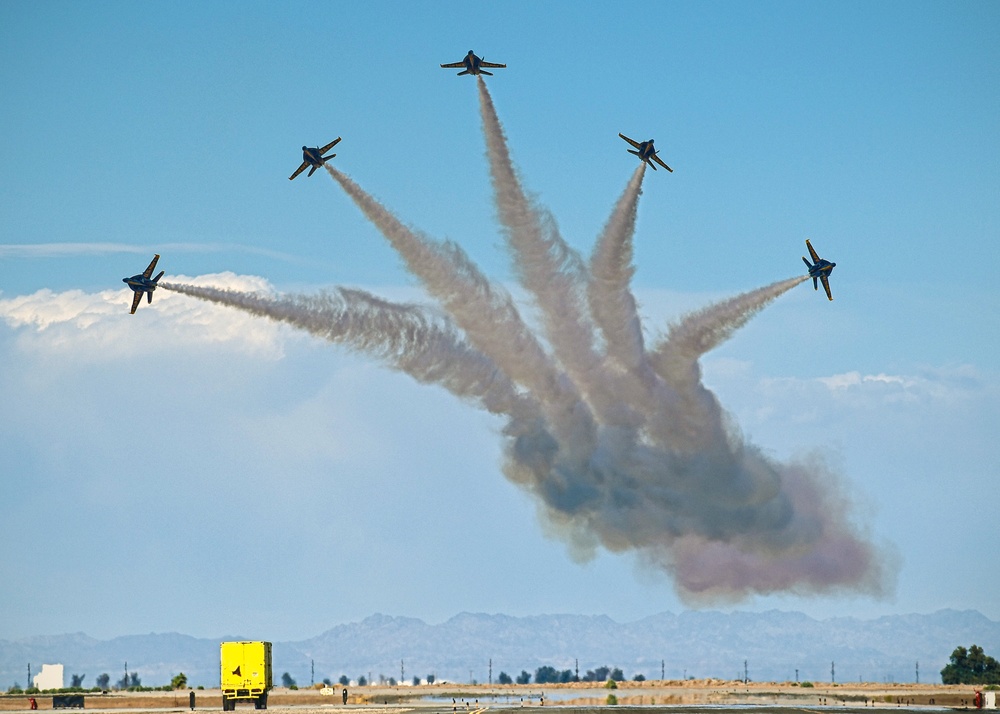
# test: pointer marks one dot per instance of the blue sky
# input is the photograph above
(192, 469)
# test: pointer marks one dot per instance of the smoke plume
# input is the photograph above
(622, 444)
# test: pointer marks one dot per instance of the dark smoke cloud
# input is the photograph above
(623, 445)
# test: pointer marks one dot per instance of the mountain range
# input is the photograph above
(768, 646)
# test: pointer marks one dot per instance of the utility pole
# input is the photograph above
(312, 671)
(491, 671)
(402, 672)
(918, 672)
(663, 673)
(746, 678)
(833, 674)
(126, 675)
(28, 685)
(576, 669)
(796, 675)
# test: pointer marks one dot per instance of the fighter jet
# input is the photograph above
(819, 269)
(473, 65)
(314, 157)
(143, 283)
(646, 152)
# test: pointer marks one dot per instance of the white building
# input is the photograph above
(51, 677)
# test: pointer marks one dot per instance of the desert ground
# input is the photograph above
(706, 694)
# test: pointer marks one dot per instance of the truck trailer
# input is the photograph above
(245, 673)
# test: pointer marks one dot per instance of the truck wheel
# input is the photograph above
(261, 701)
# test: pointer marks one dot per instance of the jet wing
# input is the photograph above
(812, 251)
(148, 272)
(453, 65)
(329, 146)
(658, 160)
(299, 170)
(136, 299)
(826, 286)
(492, 65)
(633, 142)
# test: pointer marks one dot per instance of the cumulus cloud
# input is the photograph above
(98, 326)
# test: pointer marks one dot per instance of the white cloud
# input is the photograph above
(932, 388)
(98, 326)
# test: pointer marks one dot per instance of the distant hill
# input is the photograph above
(695, 644)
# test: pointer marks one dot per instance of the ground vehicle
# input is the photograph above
(245, 669)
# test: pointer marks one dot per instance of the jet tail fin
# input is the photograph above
(149, 297)
(632, 152)
(158, 276)
(808, 264)
(815, 283)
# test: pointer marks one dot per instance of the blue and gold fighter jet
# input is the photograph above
(819, 269)
(143, 283)
(473, 65)
(646, 152)
(312, 156)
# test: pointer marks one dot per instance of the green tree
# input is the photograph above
(971, 666)
(76, 680)
(523, 677)
(344, 680)
(130, 681)
(596, 675)
(287, 681)
(362, 682)
(617, 675)
(504, 678)
(103, 680)
(179, 682)
(546, 675)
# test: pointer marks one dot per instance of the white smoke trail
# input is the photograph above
(485, 312)
(698, 416)
(614, 308)
(548, 268)
(706, 329)
(405, 336)
(609, 295)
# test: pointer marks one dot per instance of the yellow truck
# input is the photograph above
(246, 673)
